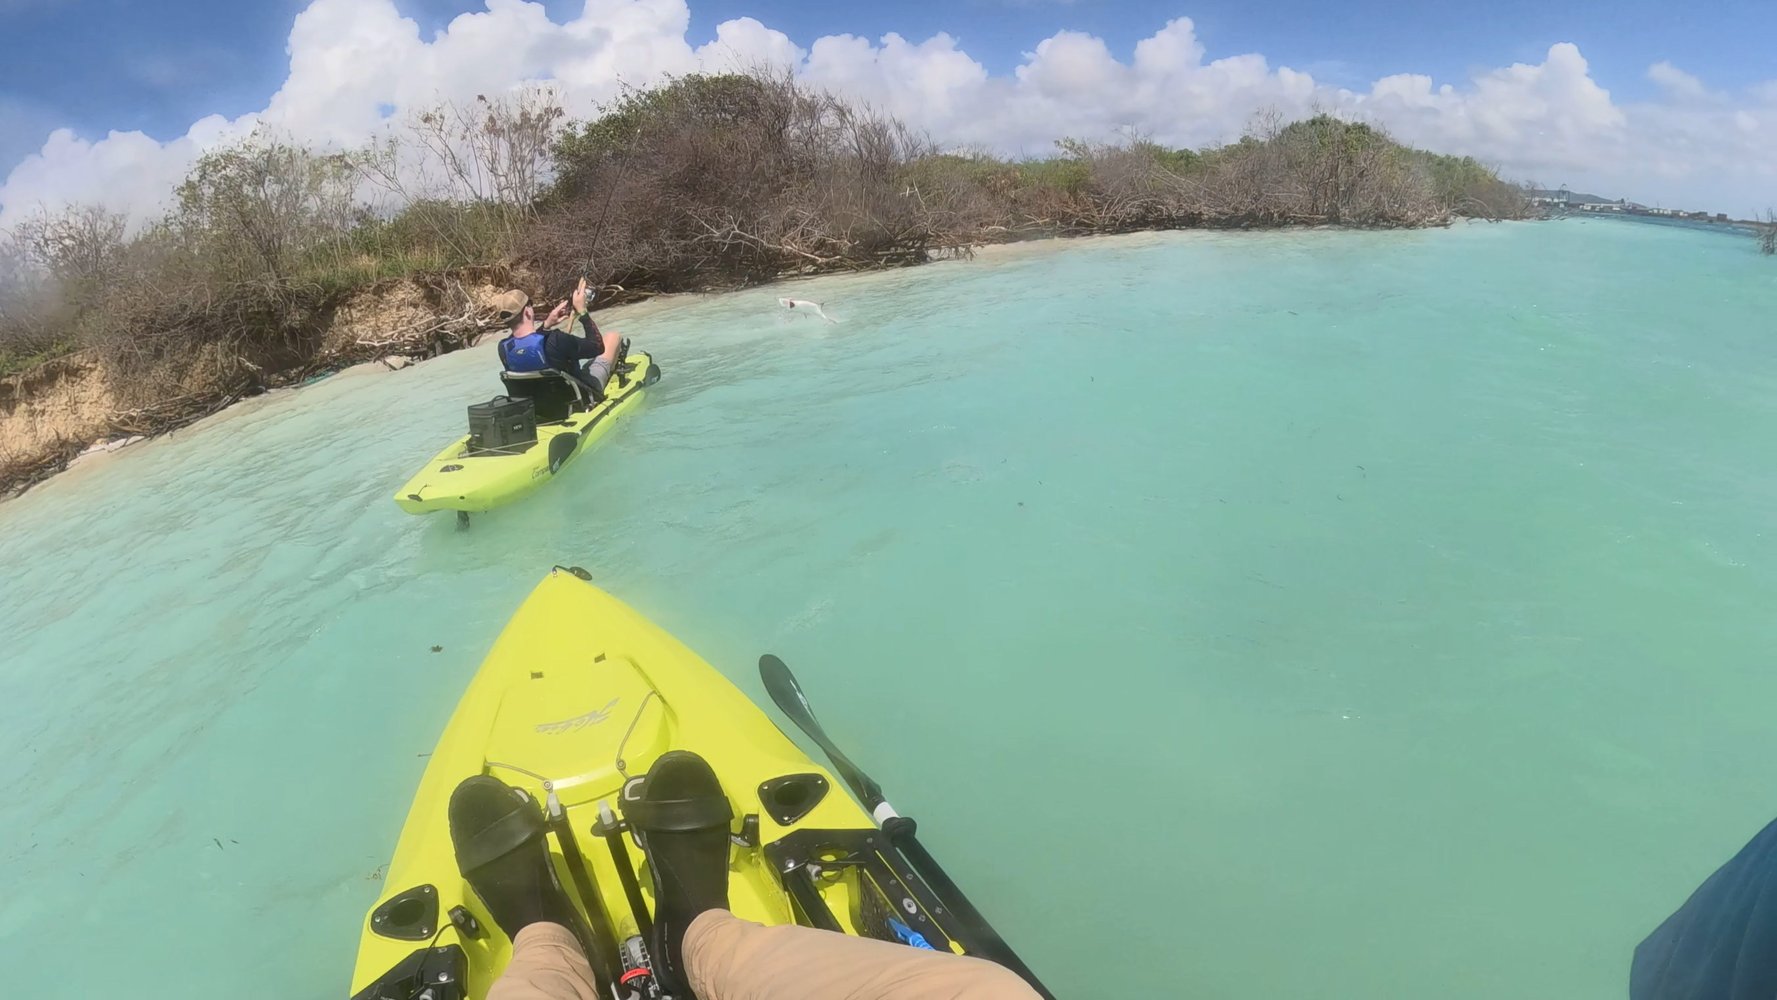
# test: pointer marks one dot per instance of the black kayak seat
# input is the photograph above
(556, 394)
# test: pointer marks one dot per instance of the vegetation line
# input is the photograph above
(276, 261)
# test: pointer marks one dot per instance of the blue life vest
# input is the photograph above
(524, 354)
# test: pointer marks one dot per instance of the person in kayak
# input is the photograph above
(698, 948)
(530, 347)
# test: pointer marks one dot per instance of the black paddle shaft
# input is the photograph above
(977, 934)
(974, 929)
(782, 686)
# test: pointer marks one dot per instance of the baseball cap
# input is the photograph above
(510, 304)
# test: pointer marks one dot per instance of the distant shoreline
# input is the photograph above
(1737, 228)
(272, 268)
(101, 450)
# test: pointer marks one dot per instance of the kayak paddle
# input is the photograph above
(782, 686)
(979, 936)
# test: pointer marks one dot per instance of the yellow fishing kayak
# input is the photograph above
(463, 479)
(578, 697)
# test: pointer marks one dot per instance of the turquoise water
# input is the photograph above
(1316, 614)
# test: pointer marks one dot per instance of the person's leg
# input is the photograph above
(498, 839)
(733, 959)
(547, 964)
(598, 372)
(683, 819)
(599, 352)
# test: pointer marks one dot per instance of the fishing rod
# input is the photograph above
(605, 213)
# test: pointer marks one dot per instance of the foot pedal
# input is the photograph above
(637, 981)
(621, 366)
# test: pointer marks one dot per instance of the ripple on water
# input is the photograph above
(1408, 587)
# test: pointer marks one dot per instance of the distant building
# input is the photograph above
(1622, 206)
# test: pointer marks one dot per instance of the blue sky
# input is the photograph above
(95, 66)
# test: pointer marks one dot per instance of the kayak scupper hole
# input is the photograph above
(409, 912)
(790, 798)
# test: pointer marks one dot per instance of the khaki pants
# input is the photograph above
(733, 959)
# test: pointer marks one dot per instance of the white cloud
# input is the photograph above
(1551, 115)
(745, 44)
(124, 170)
(933, 84)
(353, 63)
(1676, 81)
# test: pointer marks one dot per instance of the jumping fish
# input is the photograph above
(807, 306)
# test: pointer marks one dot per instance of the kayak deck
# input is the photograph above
(578, 695)
(455, 479)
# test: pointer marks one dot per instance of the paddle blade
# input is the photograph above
(787, 694)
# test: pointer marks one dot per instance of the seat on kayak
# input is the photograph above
(557, 395)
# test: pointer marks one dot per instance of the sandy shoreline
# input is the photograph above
(103, 453)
